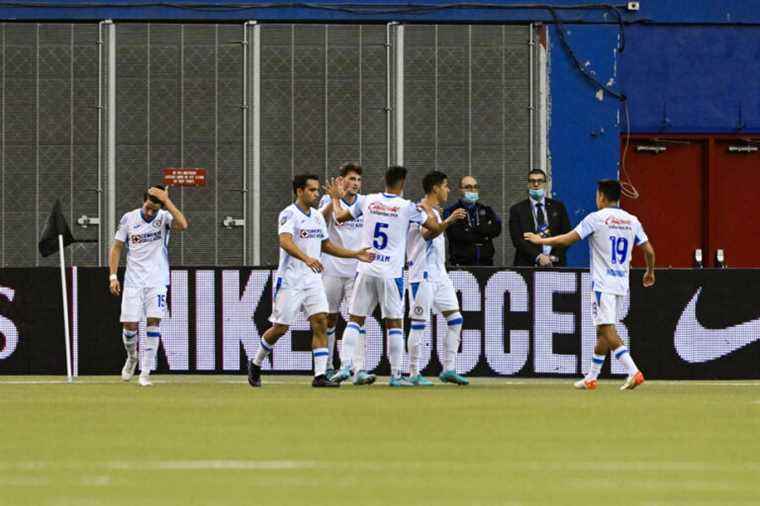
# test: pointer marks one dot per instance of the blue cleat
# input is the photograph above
(330, 372)
(342, 375)
(399, 381)
(420, 381)
(364, 378)
(452, 377)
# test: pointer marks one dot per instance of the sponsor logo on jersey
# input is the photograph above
(310, 233)
(618, 223)
(143, 238)
(383, 209)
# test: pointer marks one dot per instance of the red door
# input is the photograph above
(670, 179)
(734, 202)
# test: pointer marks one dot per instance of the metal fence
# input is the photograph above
(91, 113)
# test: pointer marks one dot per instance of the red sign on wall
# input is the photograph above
(184, 176)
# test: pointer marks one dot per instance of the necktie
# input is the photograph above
(540, 219)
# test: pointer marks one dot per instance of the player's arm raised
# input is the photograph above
(432, 228)
(287, 243)
(363, 255)
(179, 222)
(334, 188)
(113, 266)
(563, 241)
(648, 250)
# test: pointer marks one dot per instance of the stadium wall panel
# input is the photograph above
(523, 323)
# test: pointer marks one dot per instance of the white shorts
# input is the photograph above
(140, 303)
(289, 302)
(439, 295)
(369, 291)
(604, 308)
(337, 290)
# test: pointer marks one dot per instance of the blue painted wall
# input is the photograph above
(688, 66)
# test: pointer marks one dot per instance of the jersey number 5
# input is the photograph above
(381, 238)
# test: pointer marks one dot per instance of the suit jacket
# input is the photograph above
(471, 240)
(521, 221)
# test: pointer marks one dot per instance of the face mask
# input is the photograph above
(471, 197)
(536, 194)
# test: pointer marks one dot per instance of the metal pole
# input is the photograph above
(64, 293)
(37, 134)
(531, 44)
(99, 108)
(256, 155)
(111, 126)
(388, 106)
(400, 94)
(542, 95)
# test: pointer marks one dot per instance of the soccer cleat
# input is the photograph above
(144, 380)
(420, 381)
(342, 375)
(364, 378)
(399, 381)
(128, 371)
(633, 381)
(254, 374)
(452, 377)
(321, 381)
(330, 372)
(585, 384)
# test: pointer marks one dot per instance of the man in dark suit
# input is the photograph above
(541, 215)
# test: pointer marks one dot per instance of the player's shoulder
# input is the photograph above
(130, 215)
(287, 213)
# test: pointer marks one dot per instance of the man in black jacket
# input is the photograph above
(541, 215)
(471, 240)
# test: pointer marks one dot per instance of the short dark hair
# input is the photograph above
(348, 167)
(153, 199)
(395, 175)
(610, 188)
(537, 171)
(433, 179)
(300, 181)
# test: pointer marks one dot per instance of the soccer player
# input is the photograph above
(387, 217)
(298, 283)
(430, 287)
(146, 232)
(338, 276)
(613, 233)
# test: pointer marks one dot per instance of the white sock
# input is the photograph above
(330, 346)
(129, 337)
(360, 350)
(395, 350)
(149, 349)
(454, 322)
(621, 353)
(264, 350)
(350, 337)
(414, 343)
(597, 361)
(320, 361)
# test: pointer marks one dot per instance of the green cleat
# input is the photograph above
(453, 377)
(330, 372)
(342, 375)
(364, 378)
(420, 381)
(399, 381)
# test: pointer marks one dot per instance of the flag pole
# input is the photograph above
(64, 292)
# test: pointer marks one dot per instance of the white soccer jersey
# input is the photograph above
(614, 233)
(425, 258)
(147, 248)
(348, 235)
(386, 221)
(308, 231)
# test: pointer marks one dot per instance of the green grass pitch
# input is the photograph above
(203, 440)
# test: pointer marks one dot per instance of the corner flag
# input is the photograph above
(56, 225)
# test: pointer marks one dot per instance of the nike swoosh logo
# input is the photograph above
(694, 343)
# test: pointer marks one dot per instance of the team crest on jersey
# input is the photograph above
(418, 310)
(383, 209)
(157, 223)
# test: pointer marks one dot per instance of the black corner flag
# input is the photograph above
(56, 225)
